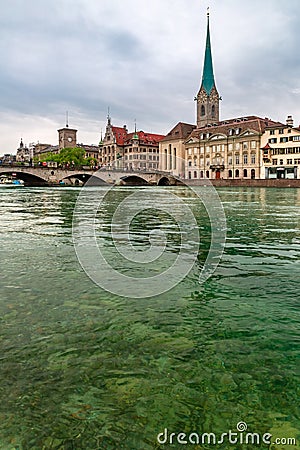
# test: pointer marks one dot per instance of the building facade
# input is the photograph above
(280, 146)
(172, 149)
(230, 149)
(130, 151)
(24, 154)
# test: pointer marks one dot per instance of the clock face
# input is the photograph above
(70, 139)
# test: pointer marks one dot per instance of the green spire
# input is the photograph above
(208, 79)
(135, 136)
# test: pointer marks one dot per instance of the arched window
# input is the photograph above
(245, 173)
(252, 174)
(202, 110)
(237, 173)
(201, 174)
(195, 173)
(230, 174)
(207, 174)
(213, 111)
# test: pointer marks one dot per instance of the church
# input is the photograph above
(238, 148)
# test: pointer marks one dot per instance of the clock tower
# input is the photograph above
(67, 137)
(208, 98)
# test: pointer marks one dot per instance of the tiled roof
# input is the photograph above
(180, 131)
(120, 134)
(145, 138)
(253, 123)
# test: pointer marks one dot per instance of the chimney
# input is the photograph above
(125, 128)
(289, 121)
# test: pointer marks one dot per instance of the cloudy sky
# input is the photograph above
(142, 59)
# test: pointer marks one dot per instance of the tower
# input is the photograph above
(208, 97)
(67, 136)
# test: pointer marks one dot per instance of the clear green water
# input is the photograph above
(83, 369)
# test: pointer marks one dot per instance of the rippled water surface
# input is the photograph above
(84, 369)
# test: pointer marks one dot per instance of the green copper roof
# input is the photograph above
(208, 80)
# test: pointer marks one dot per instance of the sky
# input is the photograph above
(143, 60)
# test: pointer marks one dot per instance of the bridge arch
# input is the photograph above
(164, 181)
(134, 180)
(27, 176)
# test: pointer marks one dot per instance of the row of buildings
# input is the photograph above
(248, 147)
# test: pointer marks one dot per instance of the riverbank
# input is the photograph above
(274, 183)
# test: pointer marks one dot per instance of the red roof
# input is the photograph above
(123, 137)
(145, 138)
(120, 134)
(266, 147)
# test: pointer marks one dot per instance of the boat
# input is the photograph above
(6, 181)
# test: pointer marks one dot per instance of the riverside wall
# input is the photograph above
(273, 183)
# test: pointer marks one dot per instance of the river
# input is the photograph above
(83, 368)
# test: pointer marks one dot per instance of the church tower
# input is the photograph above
(208, 98)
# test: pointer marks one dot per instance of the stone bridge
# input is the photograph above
(79, 176)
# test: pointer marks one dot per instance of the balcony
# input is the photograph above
(217, 167)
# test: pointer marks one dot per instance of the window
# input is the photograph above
(274, 162)
(253, 144)
(237, 159)
(195, 173)
(213, 112)
(207, 174)
(281, 131)
(245, 173)
(283, 139)
(289, 161)
(237, 173)
(229, 173)
(190, 175)
(272, 132)
(252, 174)
(272, 141)
(229, 160)
(245, 158)
(253, 159)
(237, 146)
(296, 138)
(201, 174)
(202, 110)
(281, 162)
(245, 145)
(190, 163)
